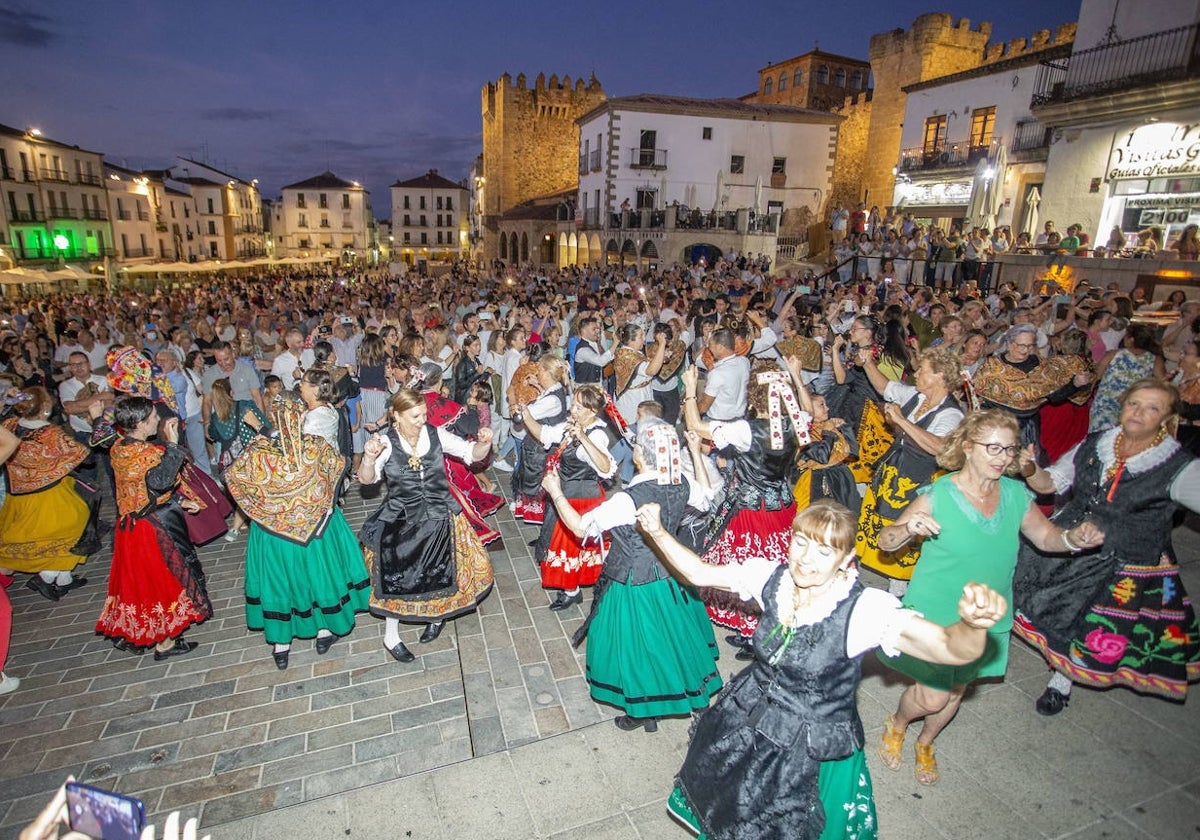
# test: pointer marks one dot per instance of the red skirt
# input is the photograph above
(530, 509)
(569, 563)
(483, 502)
(749, 534)
(146, 603)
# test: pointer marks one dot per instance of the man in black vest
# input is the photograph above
(590, 357)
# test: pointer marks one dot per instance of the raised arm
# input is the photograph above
(978, 609)
(682, 560)
(691, 408)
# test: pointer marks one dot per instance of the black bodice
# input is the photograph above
(762, 475)
(629, 559)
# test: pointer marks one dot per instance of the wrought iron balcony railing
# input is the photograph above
(943, 155)
(647, 158)
(1162, 56)
(1030, 135)
(55, 175)
(89, 180)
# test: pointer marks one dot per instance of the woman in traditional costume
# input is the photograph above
(921, 417)
(427, 564)
(44, 518)
(650, 651)
(1115, 614)
(854, 398)
(579, 455)
(1019, 382)
(753, 516)
(971, 521)
(550, 407)
(305, 575)
(665, 383)
(779, 756)
(156, 586)
(476, 503)
(823, 464)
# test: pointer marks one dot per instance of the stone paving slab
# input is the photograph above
(491, 733)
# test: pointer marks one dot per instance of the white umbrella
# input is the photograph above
(757, 194)
(994, 199)
(662, 191)
(720, 188)
(1031, 211)
(979, 186)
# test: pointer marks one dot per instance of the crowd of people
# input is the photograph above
(695, 445)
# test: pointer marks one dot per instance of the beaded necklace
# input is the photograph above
(1117, 469)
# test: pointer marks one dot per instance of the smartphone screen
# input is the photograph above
(804, 290)
(103, 814)
(1062, 298)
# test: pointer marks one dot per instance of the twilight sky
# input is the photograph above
(383, 89)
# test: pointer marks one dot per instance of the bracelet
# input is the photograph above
(1071, 547)
(685, 399)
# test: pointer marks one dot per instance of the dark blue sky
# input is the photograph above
(383, 89)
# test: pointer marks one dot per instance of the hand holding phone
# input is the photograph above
(104, 814)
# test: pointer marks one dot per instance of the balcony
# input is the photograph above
(161, 227)
(143, 216)
(1171, 55)
(583, 165)
(591, 217)
(26, 216)
(135, 253)
(943, 156)
(55, 175)
(61, 213)
(95, 214)
(594, 160)
(647, 158)
(1030, 136)
(89, 180)
(324, 224)
(124, 215)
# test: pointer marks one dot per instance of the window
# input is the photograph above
(439, 237)
(737, 164)
(300, 200)
(449, 220)
(423, 222)
(439, 220)
(422, 204)
(439, 203)
(935, 134)
(407, 220)
(406, 207)
(779, 166)
(212, 250)
(856, 80)
(210, 205)
(323, 200)
(706, 132)
(345, 201)
(822, 76)
(303, 220)
(983, 121)
(407, 237)
(798, 77)
(839, 78)
(645, 199)
(768, 86)
(424, 238)
(212, 228)
(782, 82)
(449, 203)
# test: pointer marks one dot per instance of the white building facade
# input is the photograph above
(955, 123)
(324, 216)
(229, 211)
(429, 219)
(677, 179)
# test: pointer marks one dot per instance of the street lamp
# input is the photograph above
(62, 244)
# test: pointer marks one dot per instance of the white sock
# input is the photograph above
(1060, 683)
(897, 587)
(323, 634)
(49, 577)
(63, 579)
(282, 648)
(571, 593)
(391, 632)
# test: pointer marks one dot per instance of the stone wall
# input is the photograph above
(847, 187)
(530, 141)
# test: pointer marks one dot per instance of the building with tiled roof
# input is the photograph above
(429, 219)
(325, 215)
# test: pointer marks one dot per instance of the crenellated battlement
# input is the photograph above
(548, 98)
(1040, 40)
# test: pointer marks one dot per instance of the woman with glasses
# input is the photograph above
(1020, 382)
(969, 523)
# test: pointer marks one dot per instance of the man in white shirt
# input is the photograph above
(590, 357)
(345, 341)
(724, 396)
(78, 394)
(294, 360)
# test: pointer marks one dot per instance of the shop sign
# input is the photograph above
(932, 193)
(1159, 150)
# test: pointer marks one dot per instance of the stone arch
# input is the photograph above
(839, 77)
(547, 250)
(612, 252)
(768, 84)
(693, 253)
(856, 80)
(821, 77)
(572, 250)
(524, 247)
(649, 250)
(513, 253)
(562, 250)
(503, 246)
(596, 252)
(582, 256)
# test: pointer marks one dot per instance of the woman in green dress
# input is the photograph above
(970, 521)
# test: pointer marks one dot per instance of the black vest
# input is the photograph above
(762, 475)
(587, 373)
(528, 480)
(631, 560)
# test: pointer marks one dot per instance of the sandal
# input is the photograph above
(891, 745)
(926, 770)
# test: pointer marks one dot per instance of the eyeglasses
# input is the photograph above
(1024, 345)
(994, 449)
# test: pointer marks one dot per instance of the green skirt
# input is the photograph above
(292, 590)
(651, 651)
(993, 663)
(846, 795)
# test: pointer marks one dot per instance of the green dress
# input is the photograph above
(971, 548)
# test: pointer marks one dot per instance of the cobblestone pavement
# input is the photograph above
(491, 733)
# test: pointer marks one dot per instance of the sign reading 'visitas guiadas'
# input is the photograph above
(1159, 150)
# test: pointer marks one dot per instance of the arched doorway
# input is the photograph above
(562, 250)
(572, 250)
(612, 253)
(596, 253)
(649, 252)
(582, 256)
(503, 247)
(629, 253)
(513, 252)
(709, 253)
(547, 254)
(524, 247)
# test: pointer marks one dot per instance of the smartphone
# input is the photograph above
(1062, 298)
(104, 814)
(804, 290)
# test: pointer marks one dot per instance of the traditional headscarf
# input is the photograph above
(780, 398)
(662, 438)
(130, 372)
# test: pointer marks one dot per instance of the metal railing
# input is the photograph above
(134, 253)
(1161, 56)
(55, 175)
(124, 215)
(647, 158)
(591, 217)
(91, 180)
(143, 216)
(1030, 135)
(95, 214)
(28, 216)
(61, 213)
(594, 160)
(944, 155)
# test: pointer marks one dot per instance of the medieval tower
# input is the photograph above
(530, 142)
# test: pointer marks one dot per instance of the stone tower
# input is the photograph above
(530, 142)
(933, 46)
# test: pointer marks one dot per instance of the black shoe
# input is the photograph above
(562, 600)
(1051, 702)
(74, 584)
(746, 654)
(628, 723)
(432, 631)
(324, 643)
(281, 658)
(46, 590)
(126, 645)
(401, 653)
(178, 649)
(738, 640)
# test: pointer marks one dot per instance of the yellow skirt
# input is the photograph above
(874, 440)
(38, 530)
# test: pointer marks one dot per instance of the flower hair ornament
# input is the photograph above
(781, 398)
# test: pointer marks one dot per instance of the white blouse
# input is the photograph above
(452, 445)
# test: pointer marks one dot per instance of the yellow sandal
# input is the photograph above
(926, 770)
(891, 745)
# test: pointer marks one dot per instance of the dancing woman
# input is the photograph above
(427, 563)
(549, 409)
